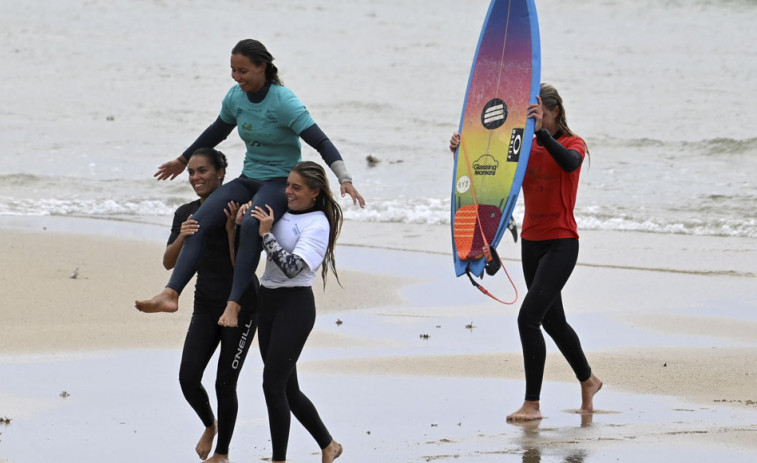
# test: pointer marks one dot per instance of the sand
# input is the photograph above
(670, 334)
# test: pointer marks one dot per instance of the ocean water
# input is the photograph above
(94, 95)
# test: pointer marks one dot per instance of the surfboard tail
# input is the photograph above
(475, 227)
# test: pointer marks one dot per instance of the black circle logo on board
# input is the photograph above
(494, 114)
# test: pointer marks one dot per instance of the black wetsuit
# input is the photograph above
(285, 319)
(214, 279)
(546, 268)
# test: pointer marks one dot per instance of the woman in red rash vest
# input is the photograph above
(549, 250)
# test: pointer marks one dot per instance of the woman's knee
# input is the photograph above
(528, 318)
(190, 376)
(555, 326)
(274, 388)
(225, 386)
(249, 222)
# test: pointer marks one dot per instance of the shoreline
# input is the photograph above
(614, 249)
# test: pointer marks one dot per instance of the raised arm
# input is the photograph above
(212, 136)
(318, 140)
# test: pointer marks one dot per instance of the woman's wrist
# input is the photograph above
(340, 170)
(236, 307)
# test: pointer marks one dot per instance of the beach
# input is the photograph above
(407, 362)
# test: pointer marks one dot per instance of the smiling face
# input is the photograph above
(249, 76)
(300, 197)
(203, 176)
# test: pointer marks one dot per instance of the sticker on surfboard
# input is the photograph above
(463, 184)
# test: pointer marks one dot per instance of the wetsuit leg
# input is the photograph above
(203, 337)
(566, 339)
(285, 318)
(547, 265)
(271, 193)
(210, 216)
(235, 343)
(305, 412)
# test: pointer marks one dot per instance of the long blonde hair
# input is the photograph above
(315, 177)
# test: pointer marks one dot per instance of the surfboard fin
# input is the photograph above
(513, 227)
(492, 260)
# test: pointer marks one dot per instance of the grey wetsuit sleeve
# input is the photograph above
(290, 264)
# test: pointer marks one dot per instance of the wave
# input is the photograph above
(85, 207)
(724, 211)
(711, 146)
(418, 211)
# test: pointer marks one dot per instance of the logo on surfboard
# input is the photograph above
(516, 144)
(485, 165)
(494, 114)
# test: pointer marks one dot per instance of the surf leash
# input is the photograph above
(489, 252)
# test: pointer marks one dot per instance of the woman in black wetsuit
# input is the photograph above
(207, 168)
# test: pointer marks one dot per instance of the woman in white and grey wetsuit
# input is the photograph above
(297, 244)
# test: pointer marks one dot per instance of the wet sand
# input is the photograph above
(406, 363)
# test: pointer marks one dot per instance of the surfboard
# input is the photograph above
(496, 134)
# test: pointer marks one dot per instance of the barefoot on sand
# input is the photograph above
(217, 458)
(528, 412)
(166, 301)
(588, 389)
(206, 441)
(331, 452)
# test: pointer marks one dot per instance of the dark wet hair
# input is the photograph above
(258, 54)
(217, 158)
(315, 178)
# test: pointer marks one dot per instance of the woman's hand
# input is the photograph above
(242, 211)
(349, 189)
(230, 316)
(454, 142)
(170, 169)
(231, 210)
(536, 111)
(265, 218)
(189, 228)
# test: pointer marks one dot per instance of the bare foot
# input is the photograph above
(331, 452)
(529, 411)
(166, 301)
(588, 388)
(230, 316)
(217, 458)
(206, 442)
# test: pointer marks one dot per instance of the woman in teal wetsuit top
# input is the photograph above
(270, 119)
